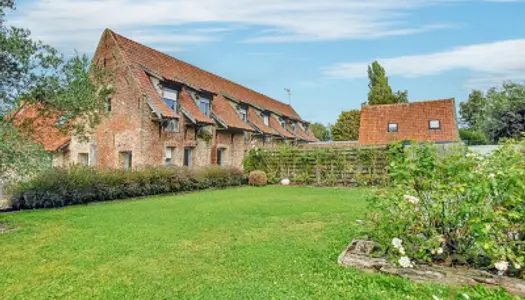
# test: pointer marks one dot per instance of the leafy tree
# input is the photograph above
(347, 126)
(504, 113)
(380, 91)
(32, 73)
(320, 131)
(472, 110)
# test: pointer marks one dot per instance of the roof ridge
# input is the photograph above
(409, 103)
(194, 66)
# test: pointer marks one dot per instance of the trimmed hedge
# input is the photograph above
(81, 185)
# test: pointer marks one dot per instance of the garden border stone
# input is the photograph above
(354, 256)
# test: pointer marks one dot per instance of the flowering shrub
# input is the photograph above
(453, 207)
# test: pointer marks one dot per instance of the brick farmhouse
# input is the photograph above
(433, 121)
(165, 111)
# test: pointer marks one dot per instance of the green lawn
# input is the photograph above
(243, 243)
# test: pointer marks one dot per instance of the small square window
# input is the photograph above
(83, 159)
(172, 125)
(434, 124)
(392, 127)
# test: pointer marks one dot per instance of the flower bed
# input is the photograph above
(452, 208)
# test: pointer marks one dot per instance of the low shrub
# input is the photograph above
(257, 178)
(473, 138)
(453, 207)
(81, 185)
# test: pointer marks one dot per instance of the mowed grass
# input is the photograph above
(243, 243)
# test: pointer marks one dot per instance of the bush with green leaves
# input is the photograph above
(452, 207)
(81, 185)
(473, 137)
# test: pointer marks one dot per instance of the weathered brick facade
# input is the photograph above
(433, 121)
(134, 130)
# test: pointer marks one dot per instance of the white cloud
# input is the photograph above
(79, 24)
(488, 63)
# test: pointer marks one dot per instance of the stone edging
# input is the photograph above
(356, 255)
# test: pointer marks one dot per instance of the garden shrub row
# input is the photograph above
(454, 208)
(81, 185)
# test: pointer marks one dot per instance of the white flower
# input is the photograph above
(396, 242)
(411, 199)
(501, 266)
(405, 262)
(517, 266)
(492, 175)
(285, 181)
(435, 297)
(439, 251)
(401, 250)
(466, 296)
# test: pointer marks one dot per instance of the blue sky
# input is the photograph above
(319, 48)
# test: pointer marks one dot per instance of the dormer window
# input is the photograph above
(204, 106)
(283, 123)
(170, 98)
(266, 119)
(243, 112)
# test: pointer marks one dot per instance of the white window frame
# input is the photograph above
(266, 119)
(169, 153)
(433, 122)
(171, 95)
(208, 104)
(390, 129)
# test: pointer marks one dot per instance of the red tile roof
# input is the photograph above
(148, 90)
(189, 105)
(413, 122)
(256, 120)
(41, 128)
(140, 56)
(277, 126)
(303, 135)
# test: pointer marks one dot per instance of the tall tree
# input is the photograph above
(347, 126)
(33, 73)
(380, 91)
(472, 110)
(320, 131)
(504, 113)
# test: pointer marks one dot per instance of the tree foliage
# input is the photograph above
(471, 111)
(33, 73)
(347, 126)
(499, 113)
(320, 131)
(504, 115)
(380, 91)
